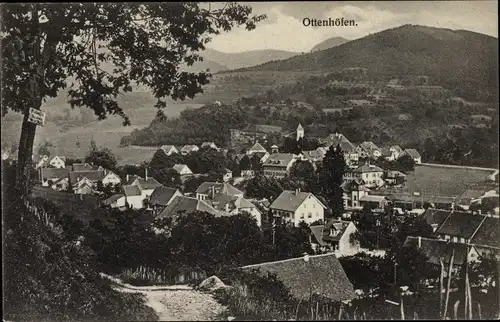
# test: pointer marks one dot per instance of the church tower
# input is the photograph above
(300, 132)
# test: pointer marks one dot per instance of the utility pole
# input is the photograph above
(395, 267)
(378, 233)
(274, 229)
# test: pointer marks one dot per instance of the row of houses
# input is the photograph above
(186, 149)
(83, 178)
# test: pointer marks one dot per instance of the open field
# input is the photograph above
(443, 180)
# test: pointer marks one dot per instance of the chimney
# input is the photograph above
(419, 242)
(227, 207)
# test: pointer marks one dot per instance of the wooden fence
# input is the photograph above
(162, 276)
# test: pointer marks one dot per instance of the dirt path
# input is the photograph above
(175, 303)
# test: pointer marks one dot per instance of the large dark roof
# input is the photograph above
(435, 249)
(92, 175)
(460, 224)
(51, 173)
(435, 216)
(187, 205)
(322, 274)
(162, 195)
(488, 234)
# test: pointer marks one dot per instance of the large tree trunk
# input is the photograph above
(25, 154)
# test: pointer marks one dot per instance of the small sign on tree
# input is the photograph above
(36, 116)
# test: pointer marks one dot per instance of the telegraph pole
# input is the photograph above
(378, 233)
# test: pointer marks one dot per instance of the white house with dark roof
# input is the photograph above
(296, 206)
(234, 205)
(349, 149)
(169, 149)
(256, 148)
(115, 201)
(211, 145)
(336, 236)
(417, 158)
(189, 149)
(185, 205)
(278, 165)
(134, 196)
(368, 149)
(111, 178)
(162, 197)
(40, 161)
(396, 151)
(370, 174)
(50, 175)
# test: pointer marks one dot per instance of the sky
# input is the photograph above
(284, 29)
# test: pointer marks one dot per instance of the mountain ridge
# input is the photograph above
(330, 43)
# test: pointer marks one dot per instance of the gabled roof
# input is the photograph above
(82, 167)
(204, 144)
(257, 147)
(385, 152)
(353, 185)
(365, 168)
(56, 156)
(233, 202)
(299, 127)
(369, 146)
(435, 249)
(337, 225)
(131, 191)
(51, 173)
(372, 198)
(291, 200)
(339, 139)
(92, 175)
(395, 174)
(182, 204)
(161, 196)
(189, 148)
(180, 167)
(149, 183)
(220, 188)
(317, 232)
(413, 153)
(279, 159)
(321, 274)
(396, 148)
(112, 199)
(131, 179)
(460, 224)
(435, 216)
(167, 148)
(488, 233)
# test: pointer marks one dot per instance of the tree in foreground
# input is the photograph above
(330, 177)
(101, 157)
(100, 50)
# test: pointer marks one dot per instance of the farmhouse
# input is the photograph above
(115, 201)
(296, 206)
(395, 178)
(83, 186)
(278, 165)
(133, 197)
(50, 175)
(435, 217)
(315, 156)
(346, 146)
(186, 205)
(460, 227)
(320, 274)
(111, 178)
(396, 151)
(368, 149)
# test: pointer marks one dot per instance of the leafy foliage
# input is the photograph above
(330, 176)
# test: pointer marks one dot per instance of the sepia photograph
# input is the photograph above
(248, 161)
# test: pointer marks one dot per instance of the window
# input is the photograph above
(314, 205)
(309, 215)
(355, 197)
(302, 216)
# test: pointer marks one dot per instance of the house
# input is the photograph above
(93, 176)
(147, 185)
(353, 190)
(183, 170)
(370, 174)
(115, 201)
(227, 176)
(256, 148)
(322, 275)
(208, 190)
(50, 175)
(413, 154)
(278, 165)
(162, 197)
(487, 237)
(234, 205)
(395, 178)
(460, 227)
(373, 202)
(385, 153)
(349, 149)
(336, 235)
(368, 149)
(169, 149)
(209, 145)
(296, 206)
(299, 132)
(189, 149)
(131, 180)
(186, 205)
(111, 178)
(61, 184)
(40, 161)
(58, 162)
(82, 167)
(82, 186)
(396, 151)
(134, 198)
(315, 156)
(437, 250)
